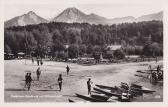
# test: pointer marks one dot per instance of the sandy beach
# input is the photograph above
(46, 90)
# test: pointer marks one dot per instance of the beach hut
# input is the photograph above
(112, 48)
(20, 55)
(10, 56)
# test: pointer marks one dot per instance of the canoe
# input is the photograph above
(106, 87)
(88, 98)
(71, 100)
(117, 89)
(139, 71)
(114, 89)
(153, 70)
(136, 85)
(107, 92)
(100, 96)
(77, 101)
(143, 90)
(139, 75)
(96, 92)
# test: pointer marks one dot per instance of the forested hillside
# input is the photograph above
(135, 38)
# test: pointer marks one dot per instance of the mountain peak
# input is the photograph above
(70, 15)
(72, 8)
(31, 12)
(25, 19)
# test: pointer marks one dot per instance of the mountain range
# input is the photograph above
(71, 15)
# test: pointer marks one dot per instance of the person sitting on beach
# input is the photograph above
(154, 76)
(160, 75)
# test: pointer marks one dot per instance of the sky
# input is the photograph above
(48, 9)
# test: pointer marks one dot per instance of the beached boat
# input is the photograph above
(120, 90)
(71, 100)
(136, 85)
(139, 71)
(100, 96)
(140, 75)
(106, 87)
(106, 92)
(88, 98)
(143, 90)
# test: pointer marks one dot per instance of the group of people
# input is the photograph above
(39, 61)
(28, 79)
(156, 75)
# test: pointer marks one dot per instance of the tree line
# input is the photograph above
(142, 38)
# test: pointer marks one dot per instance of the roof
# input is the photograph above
(10, 54)
(20, 53)
(114, 47)
(132, 56)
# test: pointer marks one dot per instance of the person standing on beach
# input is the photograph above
(149, 67)
(158, 69)
(29, 80)
(26, 79)
(41, 61)
(89, 82)
(38, 62)
(150, 74)
(60, 81)
(38, 72)
(67, 69)
(32, 60)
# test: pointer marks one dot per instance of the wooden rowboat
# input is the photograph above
(136, 85)
(71, 101)
(88, 98)
(143, 90)
(100, 96)
(107, 92)
(106, 87)
(120, 90)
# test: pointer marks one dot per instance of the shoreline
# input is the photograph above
(111, 74)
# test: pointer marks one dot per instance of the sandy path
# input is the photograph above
(111, 74)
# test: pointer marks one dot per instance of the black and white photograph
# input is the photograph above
(75, 51)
